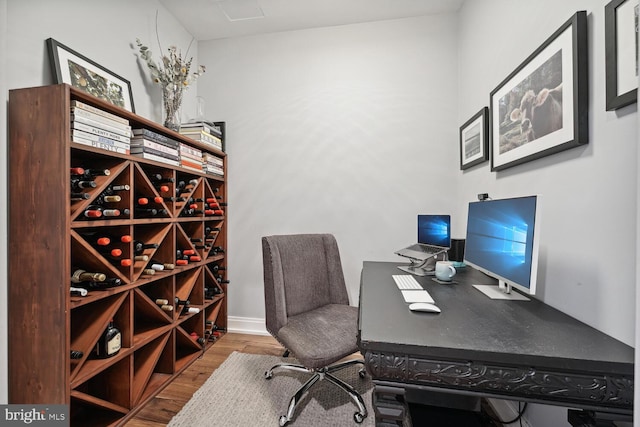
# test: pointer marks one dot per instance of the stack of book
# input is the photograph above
(190, 157)
(212, 165)
(205, 132)
(98, 128)
(154, 146)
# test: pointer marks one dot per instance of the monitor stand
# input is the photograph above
(501, 291)
(420, 267)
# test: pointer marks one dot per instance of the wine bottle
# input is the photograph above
(143, 201)
(164, 265)
(211, 291)
(214, 212)
(164, 304)
(141, 258)
(80, 196)
(88, 173)
(150, 212)
(166, 307)
(80, 276)
(217, 268)
(179, 302)
(78, 185)
(109, 343)
(106, 198)
(155, 266)
(189, 310)
(221, 279)
(96, 211)
(122, 262)
(78, 292)
(76, 354)
(217, 250)
(159, 179)
(105, 239)
(110, 282)
(112, 189)
(139, 246)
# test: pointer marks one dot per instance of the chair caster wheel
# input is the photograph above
(358, 417)
(268, 375)
(283, 421)
(362, 373)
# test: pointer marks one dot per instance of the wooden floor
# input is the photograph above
(169, 401)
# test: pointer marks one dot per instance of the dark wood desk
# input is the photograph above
(518, 350)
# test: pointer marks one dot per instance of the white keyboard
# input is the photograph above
(411, 289)
(406, 281)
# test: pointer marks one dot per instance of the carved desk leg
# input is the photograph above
(389, 406)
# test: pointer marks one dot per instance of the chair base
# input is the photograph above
(319, 374)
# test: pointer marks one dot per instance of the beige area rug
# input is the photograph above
(237, 394)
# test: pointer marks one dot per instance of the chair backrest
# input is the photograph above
(301, 272)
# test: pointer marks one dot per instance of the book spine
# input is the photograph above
(101, 145)
(153, 157)
(147, 134)
(191, 164)
(213, 171)
(204, 126)
(208, 158)
(75, 133)
(138, 150)
(99, 121)
(92, 109)
(190, 151)
(154, 145)
(97, 131)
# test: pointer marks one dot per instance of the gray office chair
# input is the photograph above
(308, 312)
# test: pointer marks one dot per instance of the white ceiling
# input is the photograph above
(207, 20)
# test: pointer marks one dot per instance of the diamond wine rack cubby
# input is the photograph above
(117, 263)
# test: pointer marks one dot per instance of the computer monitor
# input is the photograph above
(502, 241)
(434, 230)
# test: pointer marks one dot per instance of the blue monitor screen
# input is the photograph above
(434, 230)
(500, 239)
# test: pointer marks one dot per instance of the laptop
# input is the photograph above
(434, 240)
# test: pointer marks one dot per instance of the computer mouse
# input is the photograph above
(424, 307)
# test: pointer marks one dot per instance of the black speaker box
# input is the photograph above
(456, 252)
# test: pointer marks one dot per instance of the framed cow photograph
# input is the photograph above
(541, 108)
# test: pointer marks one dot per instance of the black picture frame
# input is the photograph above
(542, 107)
(70, 67)
(621, 48)
(474, 140)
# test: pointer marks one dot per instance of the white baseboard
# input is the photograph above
(507, 410)
(246, 325)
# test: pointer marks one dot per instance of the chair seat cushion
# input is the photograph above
(320, 337)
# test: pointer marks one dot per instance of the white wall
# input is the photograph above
(102, 31)
(590, 193)
(348, 130)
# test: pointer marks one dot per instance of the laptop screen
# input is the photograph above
(434, 230)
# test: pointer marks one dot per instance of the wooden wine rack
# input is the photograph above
(48, 241)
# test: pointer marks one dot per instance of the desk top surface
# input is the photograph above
(475, 327)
